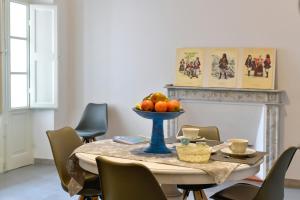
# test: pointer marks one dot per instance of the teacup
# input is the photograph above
(184, 140)
(191, 133)
(238, 145)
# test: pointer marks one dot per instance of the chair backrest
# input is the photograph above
(273, 186)
(94, 118)
(127, 181)
(210, 132)
(63, 142)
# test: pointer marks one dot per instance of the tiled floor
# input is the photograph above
(40, 182)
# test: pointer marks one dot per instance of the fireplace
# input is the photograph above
(270, 100)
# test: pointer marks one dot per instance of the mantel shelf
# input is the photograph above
(229, 95)
(171, 86)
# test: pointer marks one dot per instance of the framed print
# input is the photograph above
(189, 67)
(222, 65)
(258, 68)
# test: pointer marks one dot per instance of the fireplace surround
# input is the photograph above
(271, 100)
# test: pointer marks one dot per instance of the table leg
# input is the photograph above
(199, 195)
(171, 191)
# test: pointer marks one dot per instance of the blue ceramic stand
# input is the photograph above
(157, 143)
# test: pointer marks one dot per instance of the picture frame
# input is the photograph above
(223, 67)
(190, 67)
(259, 67)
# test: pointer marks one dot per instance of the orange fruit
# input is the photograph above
(173, 106)
(161, 106)
(147, 105)
(158, 96)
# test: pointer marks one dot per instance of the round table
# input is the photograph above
(170, 175)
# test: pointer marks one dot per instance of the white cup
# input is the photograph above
(190, 133)
(238, 145)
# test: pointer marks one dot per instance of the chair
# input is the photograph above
(63, 142)
(272, 188)
(210, 133)
(93, 122)
(127, 181)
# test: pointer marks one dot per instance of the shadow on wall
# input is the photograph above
(116, 125)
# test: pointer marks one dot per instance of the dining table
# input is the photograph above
(167, 174)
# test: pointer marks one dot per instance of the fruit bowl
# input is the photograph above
(157, 143)
(162, 115)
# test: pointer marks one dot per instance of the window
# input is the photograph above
(18, 55)
(32, 57)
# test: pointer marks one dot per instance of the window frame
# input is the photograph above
(7, 73)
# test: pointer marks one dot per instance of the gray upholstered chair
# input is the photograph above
(63, 142)
(210, 133)
(120, 181)
(94, 122)
(272, 188)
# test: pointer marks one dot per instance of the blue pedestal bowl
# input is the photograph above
(157, 143)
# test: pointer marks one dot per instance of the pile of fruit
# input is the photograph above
(158, 102)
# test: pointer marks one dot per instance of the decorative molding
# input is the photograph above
(270, 99)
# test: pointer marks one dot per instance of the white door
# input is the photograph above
(30, 76)
(16, 114)
(18, 139)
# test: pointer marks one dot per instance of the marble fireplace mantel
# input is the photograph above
(270, 99)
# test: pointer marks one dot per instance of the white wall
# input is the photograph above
(119, 51)
(42, 120)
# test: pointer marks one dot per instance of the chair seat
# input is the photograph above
(91, 186)
(197, 187)
(90, 133)
(240, 191)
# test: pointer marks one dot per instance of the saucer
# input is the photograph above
(248, 152)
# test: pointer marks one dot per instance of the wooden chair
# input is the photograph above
(210, 133)
(272, 188)
(63, 142)
(93, 123)
(120, 181)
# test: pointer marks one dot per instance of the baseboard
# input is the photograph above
(292, 183)
(42, 161)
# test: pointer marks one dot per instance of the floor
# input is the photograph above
(41, 182)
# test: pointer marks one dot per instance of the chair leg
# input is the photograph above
(199, 195)
(185, 194)
(87, 198)
(88, 140)
(81, 197)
